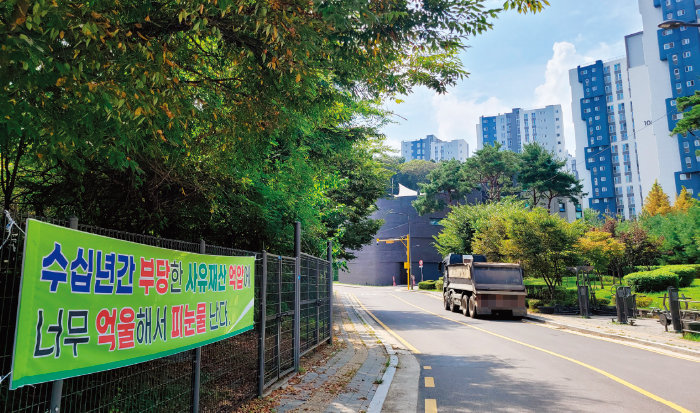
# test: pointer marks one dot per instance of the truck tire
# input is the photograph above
(445, 302)
(454, 308)
(472, 307)
(464, 305)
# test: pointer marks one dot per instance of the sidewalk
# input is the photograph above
(352, 375)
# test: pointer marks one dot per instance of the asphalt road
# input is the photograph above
(496, 365)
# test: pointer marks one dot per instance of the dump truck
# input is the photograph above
(478, 287)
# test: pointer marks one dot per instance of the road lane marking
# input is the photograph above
(390, 331)
(427, 367)
(625, 383)
(429, 382)
(430, 406)
(668, 353)
(593, 336)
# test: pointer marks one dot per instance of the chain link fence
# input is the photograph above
(230, 372)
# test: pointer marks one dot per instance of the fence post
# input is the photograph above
(329, 256)
(297, 294)
(197, 357)
(57, 385)
(263, 325)
(675, 308)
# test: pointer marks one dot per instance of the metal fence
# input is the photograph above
(295, 293)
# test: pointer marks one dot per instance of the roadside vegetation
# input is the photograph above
(659, 249)
(224, 120)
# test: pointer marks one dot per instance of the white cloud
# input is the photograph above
(457, 118)
(556, 87)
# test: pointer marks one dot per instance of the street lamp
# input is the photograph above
(674, 24)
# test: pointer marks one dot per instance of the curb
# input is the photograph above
(666, 347)
(375, 406)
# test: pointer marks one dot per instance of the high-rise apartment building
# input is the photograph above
(433, 149)
(668, 66)
(624, 110)
(520, 127)
(605, 140)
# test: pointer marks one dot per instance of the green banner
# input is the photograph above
(90, 303)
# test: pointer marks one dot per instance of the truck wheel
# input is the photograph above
(453, 307)
(445, 302)
(472, 307)
(465, 307)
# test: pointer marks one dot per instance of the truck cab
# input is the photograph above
(478, 287)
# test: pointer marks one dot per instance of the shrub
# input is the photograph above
(427, 285)
(686, 273)
(534, 304)
(565, 297)
(644, 302)
(603, 301)
(651, 281)
(439, 283)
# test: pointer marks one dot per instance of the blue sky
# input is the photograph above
(523, 62)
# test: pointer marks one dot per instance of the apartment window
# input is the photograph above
(673, 102)
(689, 68)
(686, 147)
(625, 147)
(617, 67)
(602, 168)
(688, 162)
(595, 201)
(674, 58)
(613, 138)
(680, 12)
(562, 207)
(597, 127)
(595, 99)
(686, 54)
(604, 189)
(679, 86)
(685, 41)
(628, 178)
(609, 98)
(668, 45)
(697, 142)
(690, 83)
(617, 179)
(667, 32)
(620, 96)
(597, 118)
(602, 158)
(603, 179)
(676, 71)
(669, 16)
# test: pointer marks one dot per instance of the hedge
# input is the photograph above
(652, 281)
(686, 273)
(439, 284)
(427, 285)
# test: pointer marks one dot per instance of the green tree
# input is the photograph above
(493, 170)
(542, 243)
(413, 173)
(691, 118)
(226, 120)
(444, 187)
(680, 235)
(543, 177)
(463, 222)
(599, 249)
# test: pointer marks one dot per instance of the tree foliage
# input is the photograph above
(444, 187)
(543, 178)
(656, 201)
(413, 173)
(691, 119)
(463, 222)
(683, 201)
(226, 120)
(493, 170)
(680, 235)
(599, 249)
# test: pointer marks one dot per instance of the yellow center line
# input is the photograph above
(385, 327)
(611, 340)
(429, 382)
(638, 389)
(430, 406)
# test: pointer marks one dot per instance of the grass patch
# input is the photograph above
(606, 293)
(691, 337)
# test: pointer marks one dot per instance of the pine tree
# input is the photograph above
(683, 201)
(656, 201)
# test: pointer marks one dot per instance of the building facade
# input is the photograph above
(668, 62)
(520, 127)
(431, 148)
(605, 137)
(625, 109)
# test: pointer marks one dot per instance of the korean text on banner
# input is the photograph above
(90, 303)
